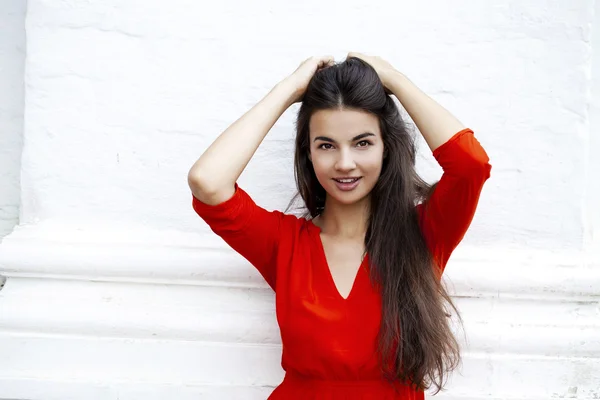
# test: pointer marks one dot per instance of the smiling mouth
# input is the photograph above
(346, 180)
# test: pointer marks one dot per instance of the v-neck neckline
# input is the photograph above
(327, 270)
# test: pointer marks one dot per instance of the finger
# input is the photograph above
(326, 61)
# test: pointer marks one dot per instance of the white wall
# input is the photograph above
(12, 65)
(117, 289)
(592, 204)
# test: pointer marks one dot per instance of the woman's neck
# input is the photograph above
(346, 221)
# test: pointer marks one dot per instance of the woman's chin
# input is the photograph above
(347, 198)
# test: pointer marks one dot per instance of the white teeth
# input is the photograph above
(347, 180)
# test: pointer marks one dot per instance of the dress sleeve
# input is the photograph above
(446, 215)
(249, 229)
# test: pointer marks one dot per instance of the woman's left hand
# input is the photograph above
(383, 68)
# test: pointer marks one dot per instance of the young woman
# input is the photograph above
(360, 304)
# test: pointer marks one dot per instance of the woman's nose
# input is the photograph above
(345, 161)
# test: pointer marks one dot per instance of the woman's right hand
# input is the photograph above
(304, 73)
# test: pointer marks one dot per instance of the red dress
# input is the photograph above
(329, 342)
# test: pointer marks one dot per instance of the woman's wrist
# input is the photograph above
(395, 81)
(288, 90)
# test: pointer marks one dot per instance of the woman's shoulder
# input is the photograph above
(296, 221)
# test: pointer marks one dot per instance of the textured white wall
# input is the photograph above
(121, 97)
(592, 201)
(12, 64)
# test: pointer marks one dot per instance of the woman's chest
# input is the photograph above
(314, 317)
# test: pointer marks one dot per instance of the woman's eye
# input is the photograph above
(328, 146)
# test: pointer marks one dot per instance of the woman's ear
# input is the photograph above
(309, 157)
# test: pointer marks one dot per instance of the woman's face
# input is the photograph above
(346, 144)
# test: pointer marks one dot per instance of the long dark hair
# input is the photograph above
(415, 343)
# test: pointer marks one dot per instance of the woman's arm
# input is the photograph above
(213, 175)
(447, 214)
(435, 123)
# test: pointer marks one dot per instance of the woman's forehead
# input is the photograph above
(342, 123)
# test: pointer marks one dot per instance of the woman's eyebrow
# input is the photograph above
(355, 138)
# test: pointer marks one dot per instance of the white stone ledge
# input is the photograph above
(126, 254)
(247, 316)
(123, 254)
(129, 369)
(35, 389)
(172, 312)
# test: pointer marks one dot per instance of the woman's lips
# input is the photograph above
(346, 186)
